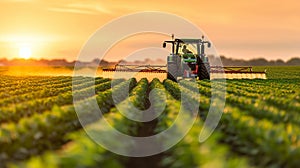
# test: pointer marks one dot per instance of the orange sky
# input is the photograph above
(238, 28)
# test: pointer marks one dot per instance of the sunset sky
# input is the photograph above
(239, 29)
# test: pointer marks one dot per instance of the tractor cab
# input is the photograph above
(187, 54)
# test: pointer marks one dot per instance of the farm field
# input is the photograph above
(259, 126)
(280, 72)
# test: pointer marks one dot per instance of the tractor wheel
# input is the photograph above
(171, 77)
(203, 72)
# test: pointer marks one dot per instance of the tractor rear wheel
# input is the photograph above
(171, 77)
(203, 72)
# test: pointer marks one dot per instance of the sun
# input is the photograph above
(25, 52)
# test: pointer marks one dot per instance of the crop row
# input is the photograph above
(81, 146)
(275, 110)
(267, 142)
(84, 152)
(276, 88)
(35, 84)
(19, 86)
(33, 135)
(252, 125)
(48, 91)
(28, 108)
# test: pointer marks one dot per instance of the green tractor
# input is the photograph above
(188, 59)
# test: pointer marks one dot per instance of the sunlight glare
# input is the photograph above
(25, 52)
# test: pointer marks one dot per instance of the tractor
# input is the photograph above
(188, 59)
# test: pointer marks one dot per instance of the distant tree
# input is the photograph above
(213, 60)
(258, 62)
(293, 61)
(3, 61)
(279, 62)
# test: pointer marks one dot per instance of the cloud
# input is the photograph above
(90, 8)
(70, 10)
